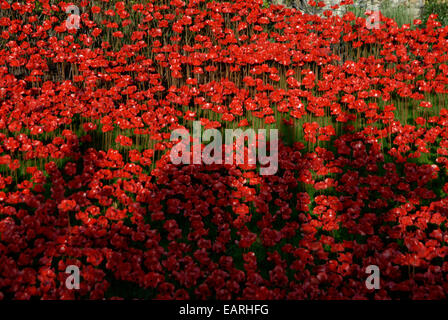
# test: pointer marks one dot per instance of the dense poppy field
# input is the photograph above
(86, 180)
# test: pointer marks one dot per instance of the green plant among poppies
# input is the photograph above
(438, 7)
